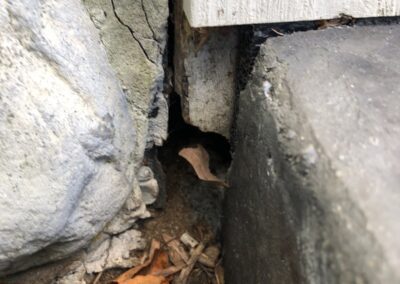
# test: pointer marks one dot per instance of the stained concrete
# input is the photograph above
(204, 74)
(315, 174)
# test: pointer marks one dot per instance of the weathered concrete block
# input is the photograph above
(205, 64)
(315, 177)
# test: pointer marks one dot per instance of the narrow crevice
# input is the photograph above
(168, 56)
(132, 33)
(185, 203)
(203, 199)
(191, 205)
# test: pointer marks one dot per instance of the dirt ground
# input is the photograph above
(192, 205)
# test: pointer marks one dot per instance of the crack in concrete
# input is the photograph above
(132, 33)
(107, 255)
(148, 22)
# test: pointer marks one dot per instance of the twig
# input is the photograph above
(278, 33)
(210, 256)
(177, 252)
(98, 277)
(219, 274)
(184, 275)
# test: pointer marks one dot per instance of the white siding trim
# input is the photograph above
(207, 13)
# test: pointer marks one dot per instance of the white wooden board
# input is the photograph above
(208, 13)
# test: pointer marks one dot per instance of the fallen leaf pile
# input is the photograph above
(174, 262)
(199, 159)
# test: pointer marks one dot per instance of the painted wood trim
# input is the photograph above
(208, 13)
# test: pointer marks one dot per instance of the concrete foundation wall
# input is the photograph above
(315, 176)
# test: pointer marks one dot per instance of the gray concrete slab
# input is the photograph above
(315, 180)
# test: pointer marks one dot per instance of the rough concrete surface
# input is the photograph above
(114, 252)
(134, 33)
(211, 84)
(315, 175)
(66, 136)
(205, 64)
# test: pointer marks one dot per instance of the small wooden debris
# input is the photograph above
(210, 256)
(188, 240)
(219, 274)
(278, 33)
(98, 277)
(185, 272)
(177, 253)
(157, 269)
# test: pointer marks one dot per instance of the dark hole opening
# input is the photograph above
(189, 204)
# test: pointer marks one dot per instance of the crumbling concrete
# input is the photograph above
(205, 64)
(314, 182)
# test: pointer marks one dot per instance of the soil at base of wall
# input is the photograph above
(192, 205)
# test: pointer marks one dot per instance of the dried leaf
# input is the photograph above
(147, 279)
(155, 246)
(199, 159)
(170, 270)
(159, 263)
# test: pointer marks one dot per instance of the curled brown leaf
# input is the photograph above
(199, 159)
(155, 246)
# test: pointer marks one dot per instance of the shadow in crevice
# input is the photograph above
(203, 198)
